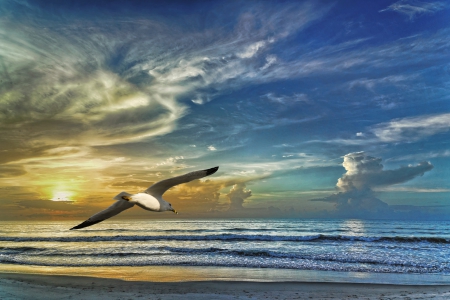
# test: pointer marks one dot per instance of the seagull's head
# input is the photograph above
(169, 207)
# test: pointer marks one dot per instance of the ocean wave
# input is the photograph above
(231, 237)
(219, 253)
(16, 250)
(203, 230)
(246, 262)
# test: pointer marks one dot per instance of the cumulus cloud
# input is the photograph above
(412, 8)
(364, 174)
(237, 196)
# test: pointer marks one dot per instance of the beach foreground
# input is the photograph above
(32, 286)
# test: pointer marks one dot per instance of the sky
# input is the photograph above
(311, 109)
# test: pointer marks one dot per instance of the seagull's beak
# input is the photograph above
(175, 211)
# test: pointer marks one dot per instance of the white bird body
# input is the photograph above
(151, 199)
(147, 202)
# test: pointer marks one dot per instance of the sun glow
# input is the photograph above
(61, 196)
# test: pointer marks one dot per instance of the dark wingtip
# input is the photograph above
(212, 170)
(85, 224)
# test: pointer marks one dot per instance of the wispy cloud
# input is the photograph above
(405, 130)
(413, 8)
(418, 156)
(411, 189)
(412, 129)
(93, 83)
(370, 84)
(286, 100)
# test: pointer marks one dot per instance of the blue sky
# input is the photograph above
(291, 99)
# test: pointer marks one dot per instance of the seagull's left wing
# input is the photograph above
(160, 187)
(117, 207)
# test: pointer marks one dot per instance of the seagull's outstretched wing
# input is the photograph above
(157, 189)
(111, 211)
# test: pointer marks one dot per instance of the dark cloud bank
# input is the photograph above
(357, 199)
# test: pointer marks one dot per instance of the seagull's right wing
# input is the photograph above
(111, 211)
(160, 187)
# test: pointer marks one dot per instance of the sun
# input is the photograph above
(61, 196)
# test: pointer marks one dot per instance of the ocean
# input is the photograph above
(335, 249)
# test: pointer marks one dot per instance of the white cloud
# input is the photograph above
(412, 129)
(418, 156)
(270, 60)
(411, 8)
(366, 172)
(364, 175)
(398, 131)
(237, 196)
(370, 84)
(411, 189)
(252, 49)
(212, 148)
(285, 99)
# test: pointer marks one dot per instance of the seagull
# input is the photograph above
(151, 199)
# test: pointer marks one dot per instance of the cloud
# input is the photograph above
(286, 100)
(49, 205)
(357, 203)
(412, 8)
(69, 91)
(270, 60)
(411, 189)
(91, 83)
(11, 171)
(251, 50)
(417, 156)
(370, 84)
(404, 130)
(134, 184)
(364, 174)
(237, 196)
(413, 128)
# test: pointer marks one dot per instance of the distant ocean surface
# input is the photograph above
(322, 245)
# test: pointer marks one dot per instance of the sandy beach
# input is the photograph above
(33, 286)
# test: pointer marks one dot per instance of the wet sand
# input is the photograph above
(33, 286)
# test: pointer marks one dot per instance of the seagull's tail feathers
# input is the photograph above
(119, 196)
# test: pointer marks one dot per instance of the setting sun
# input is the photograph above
(61, 196)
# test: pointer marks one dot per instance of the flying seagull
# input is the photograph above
(151, 199)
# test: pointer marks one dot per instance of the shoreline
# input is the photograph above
(228, 274)
(35, 286)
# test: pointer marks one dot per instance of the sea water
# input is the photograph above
(372, 249)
